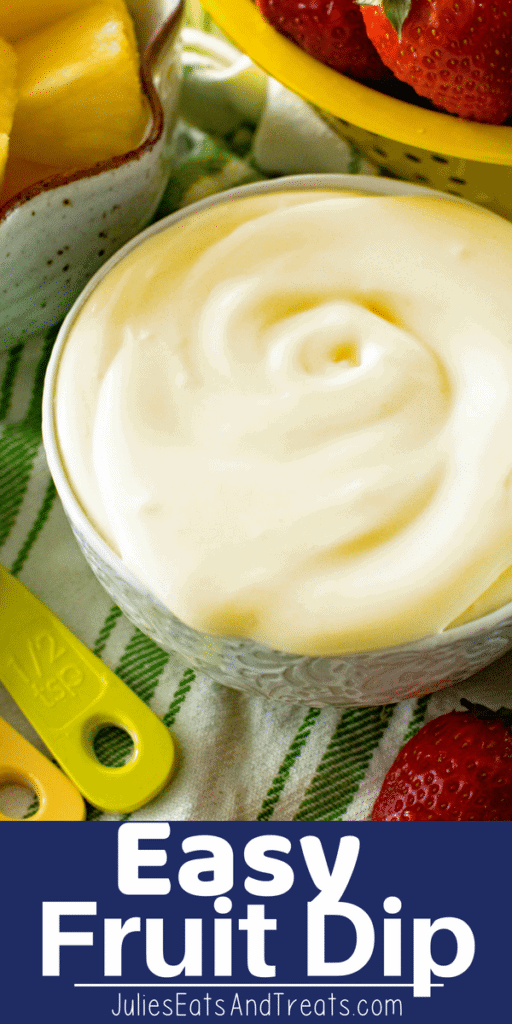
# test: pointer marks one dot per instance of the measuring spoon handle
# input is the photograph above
(68, 694)
(22, 764)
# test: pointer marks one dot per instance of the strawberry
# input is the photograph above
(457, 768)
(330, 30)
(457, 53)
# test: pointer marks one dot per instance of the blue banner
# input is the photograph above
(245, 921)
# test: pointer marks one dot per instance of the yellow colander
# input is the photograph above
(426, 146)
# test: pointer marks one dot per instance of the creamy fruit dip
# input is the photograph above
(291, 416)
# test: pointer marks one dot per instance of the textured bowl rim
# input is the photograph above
(148, 59)
(362, 106)
(347, 182)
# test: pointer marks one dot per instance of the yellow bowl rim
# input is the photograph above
(360, 105)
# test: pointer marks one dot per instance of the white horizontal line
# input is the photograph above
(249, 984)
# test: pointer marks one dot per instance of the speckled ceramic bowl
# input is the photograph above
(358, 679)
(55, 235)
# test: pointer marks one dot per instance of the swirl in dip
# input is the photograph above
(291, 416)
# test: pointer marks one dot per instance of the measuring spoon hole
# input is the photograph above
(17, 801)
(113, 746)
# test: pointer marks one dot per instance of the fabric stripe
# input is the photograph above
(294, 751)
(19, 444)
(141, 665)
(6, 389)
(17, 453)
(105, 632)
(36, 528)
(179, 696)
(417, 718)
(33, 417)
(113, 746)
(344, 763)
(32, 808)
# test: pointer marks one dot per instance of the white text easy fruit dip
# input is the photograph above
(291, 416)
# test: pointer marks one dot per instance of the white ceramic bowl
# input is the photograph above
(55, 235)
(362, 678)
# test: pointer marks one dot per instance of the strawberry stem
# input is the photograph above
(481, 711)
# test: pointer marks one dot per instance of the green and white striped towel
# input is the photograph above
(242, 758)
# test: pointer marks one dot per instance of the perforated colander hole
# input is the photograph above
(379, 151)
(18, 801)
(413, 158)
(458, 181)
(440, 159)
(113, 746)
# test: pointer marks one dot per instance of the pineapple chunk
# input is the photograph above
(20, 18)
(7, 99)
(79, 93)
(4, 151)
(19, 174)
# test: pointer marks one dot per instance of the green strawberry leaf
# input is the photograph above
(396, 11)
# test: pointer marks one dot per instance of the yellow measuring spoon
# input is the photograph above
(21, 764)
(68, 694)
